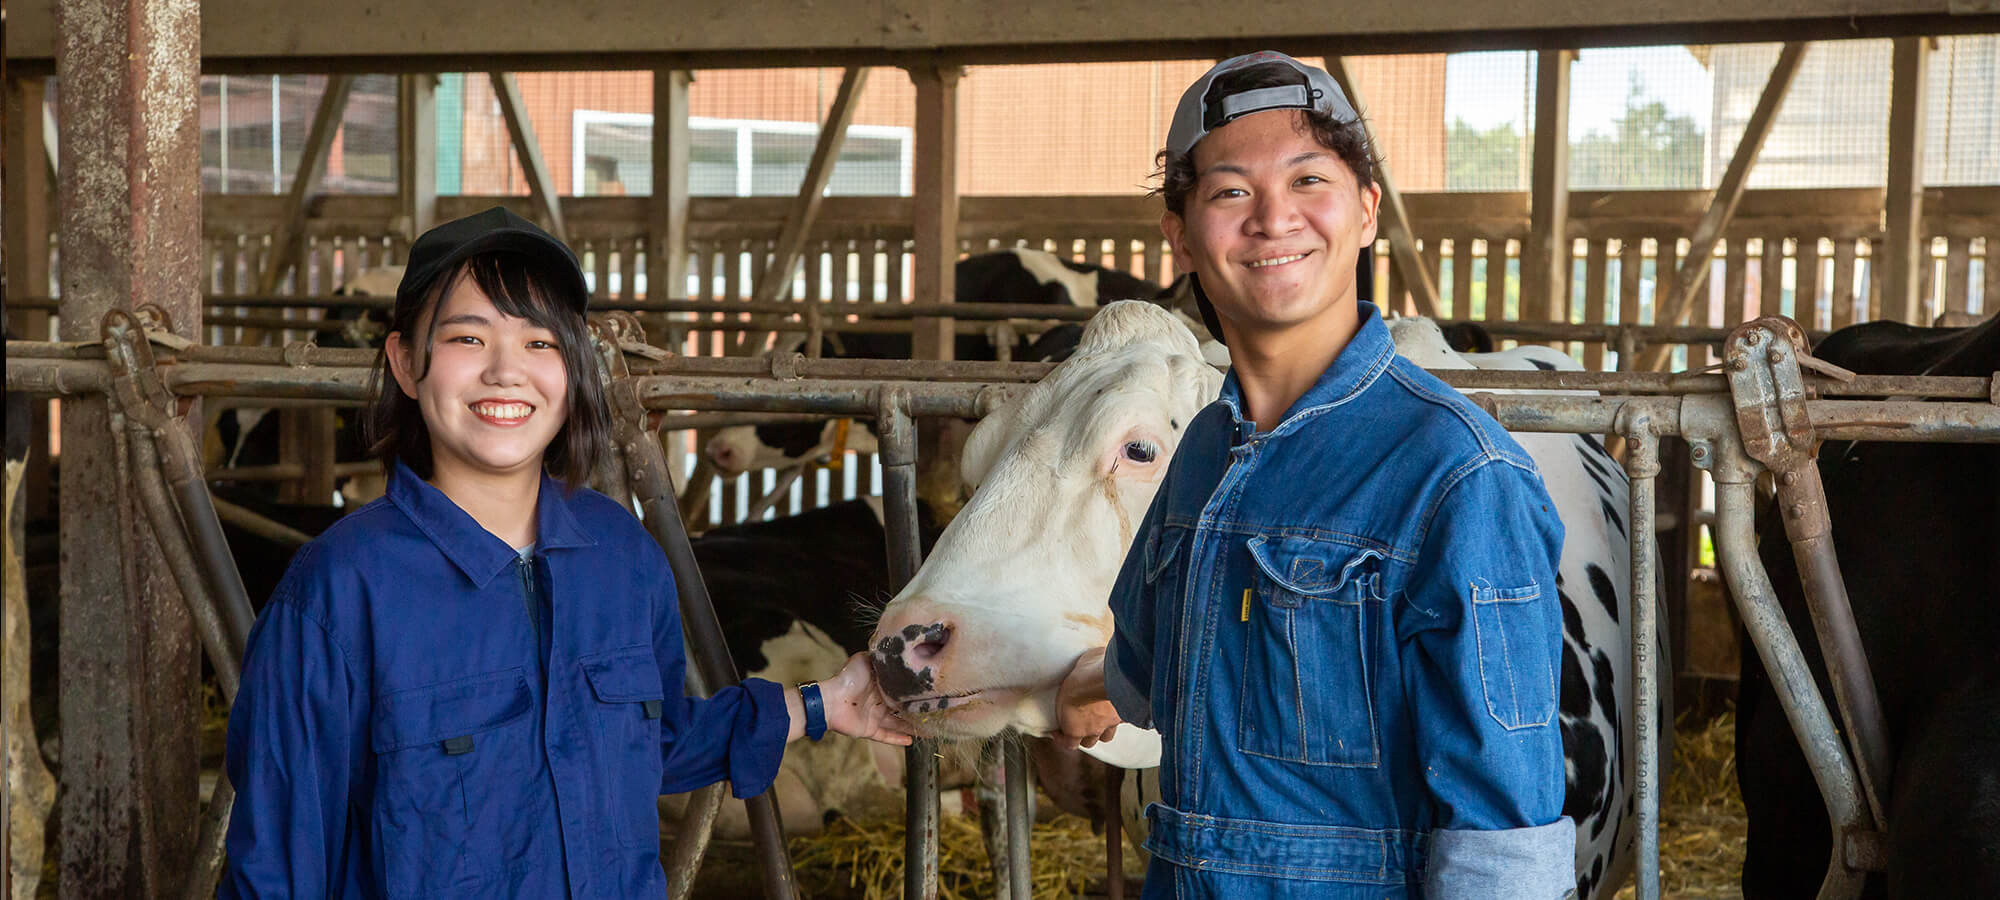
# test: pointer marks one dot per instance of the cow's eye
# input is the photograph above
(1140, 452)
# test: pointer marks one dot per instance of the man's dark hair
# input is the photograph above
(518, 287)
(1347, 140)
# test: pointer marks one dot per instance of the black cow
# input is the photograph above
(1019, 275)
(1914, 526)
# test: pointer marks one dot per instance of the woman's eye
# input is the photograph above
(1140, 452)
(541, 345)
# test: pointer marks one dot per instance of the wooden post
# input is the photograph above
(416, 152)
(130, 200)
(26, 232)
(1394, 220)
(935, 213)
(777, 281)
(667, 214)
(522, 130)
(1678, 295)
(1546, 263)
(285, 249)
(1905, 250)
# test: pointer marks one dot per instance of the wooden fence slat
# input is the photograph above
(1806, 303)
(1843, 283)
(1771, 277)
(1593, 295)
(1496, 279)
(1398, 298)
(628, 268)
(1432, 249)
(1957, 269)
(1158, 275)
(1735, 282)
(1871, 273)
(1461, 276)
(1989, 300)
(1927, 264)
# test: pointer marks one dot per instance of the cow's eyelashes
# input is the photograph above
(1140, 452)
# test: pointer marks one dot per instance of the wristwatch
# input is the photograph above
(815, 710)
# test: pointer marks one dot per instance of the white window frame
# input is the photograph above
(745, 130)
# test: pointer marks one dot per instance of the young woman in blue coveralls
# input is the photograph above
(1340, 612)
(472, 687)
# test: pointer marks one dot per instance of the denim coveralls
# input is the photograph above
(1346, 630)
(425, 713)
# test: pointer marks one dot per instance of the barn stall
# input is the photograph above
(267, 263)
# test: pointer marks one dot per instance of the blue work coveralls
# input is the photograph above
(1346, 630)
(426, 713)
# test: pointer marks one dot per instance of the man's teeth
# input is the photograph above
(1277, 261)
(503, 410)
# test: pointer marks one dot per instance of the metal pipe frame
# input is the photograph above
(1642, 463)
(1020, 880)
(1707, 419)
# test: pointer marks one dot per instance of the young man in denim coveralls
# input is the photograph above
(1340, 612)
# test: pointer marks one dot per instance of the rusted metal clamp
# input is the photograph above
(1763, 360)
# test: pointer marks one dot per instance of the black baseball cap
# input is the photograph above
(497, 230)
(1204, 107)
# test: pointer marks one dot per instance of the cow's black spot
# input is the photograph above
(1542, 365)
(793, 439)
(1175, 424)
(912, 632)
(897, 680)
(1600, 478)
(1600, 584)
(1591, 441)
(1607, 706)
(1612, 515)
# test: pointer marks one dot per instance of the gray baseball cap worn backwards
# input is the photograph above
(1204, 107)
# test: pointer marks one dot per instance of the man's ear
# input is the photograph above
(1371, 206)
(1175, 230)
(401, 364)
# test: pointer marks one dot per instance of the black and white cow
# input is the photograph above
(1020, 275)
(1914, 526)
(1051, 486)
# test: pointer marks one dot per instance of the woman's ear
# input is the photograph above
(401, 364)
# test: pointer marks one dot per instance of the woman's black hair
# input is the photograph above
(1348, 140)
(521, 287)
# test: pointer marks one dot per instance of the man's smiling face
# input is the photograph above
(1273, 225)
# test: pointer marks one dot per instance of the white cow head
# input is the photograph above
(1017, 586)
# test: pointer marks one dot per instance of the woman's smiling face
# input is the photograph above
(493, 388)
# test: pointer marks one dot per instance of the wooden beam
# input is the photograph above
(1678, 298)
(305, 182)
(1906, 249)
(243, 36)
(130, 197)
(777, 281)
(667, 210)
(1545, 264)
(1394, 217)
(416, 153)
(935, 211)
(540, 185)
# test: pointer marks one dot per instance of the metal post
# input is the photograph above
(896, 440)
(1020, 881)
(1736, 552)
(1642, 463)
(130, 192)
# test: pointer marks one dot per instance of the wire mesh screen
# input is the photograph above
(1639, 118)
(1962, 130)
(1489, 113)
(254, 130)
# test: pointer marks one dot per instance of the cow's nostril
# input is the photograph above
(932, 644)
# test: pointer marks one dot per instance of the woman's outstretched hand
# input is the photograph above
(856, 709)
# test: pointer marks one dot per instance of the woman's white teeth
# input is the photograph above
(503, 410)
(1277, 261)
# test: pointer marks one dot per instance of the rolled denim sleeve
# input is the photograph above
(737, 733)
(1483, 635)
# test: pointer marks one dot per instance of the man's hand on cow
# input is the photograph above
(856, 709)
(1084, 714)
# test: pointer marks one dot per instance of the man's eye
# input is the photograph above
(466, 339)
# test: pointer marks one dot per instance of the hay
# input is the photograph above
(865, 859)
(1701, 816)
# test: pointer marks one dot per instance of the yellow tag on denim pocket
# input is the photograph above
(1246, 605)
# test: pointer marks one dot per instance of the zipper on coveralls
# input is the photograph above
(526, 568)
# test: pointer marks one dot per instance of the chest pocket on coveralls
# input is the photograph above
(630, 703)
(440, 751)
(1307, 684)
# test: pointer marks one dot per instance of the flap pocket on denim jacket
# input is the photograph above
(1307, 567)
(455, 709)
(1162, 550)
(630, 675)
(1520, 648)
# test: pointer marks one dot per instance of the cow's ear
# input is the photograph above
(987, 442)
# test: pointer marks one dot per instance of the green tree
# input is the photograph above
(1649, 148)
(1483, 159)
